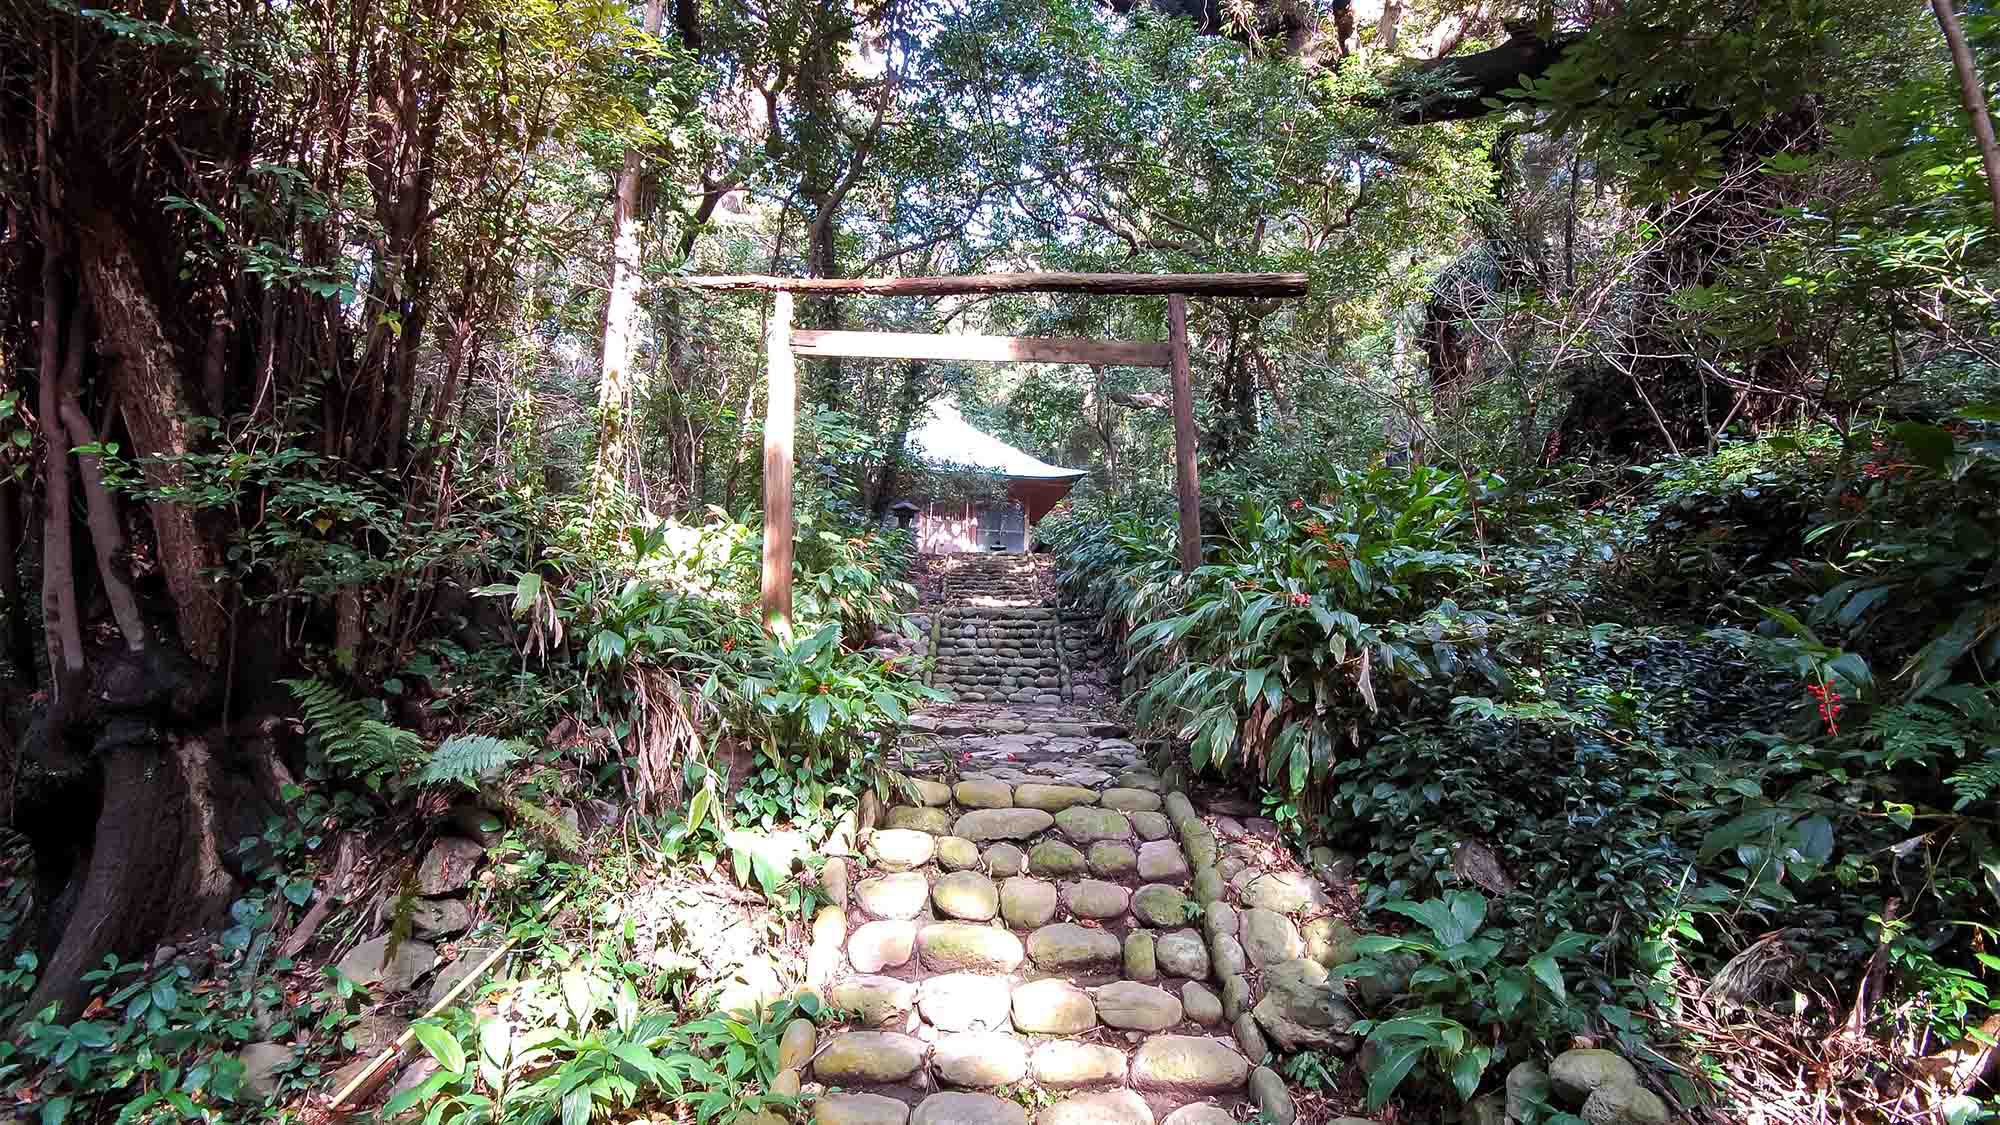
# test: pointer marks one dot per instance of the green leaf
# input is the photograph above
(1549, 973)
(1392, 1067)
(91, 1034)
(638, 1058)
(1467, 1069)
(580, 994)
(1816, 838)
(1468, 910)
(442, 1045)
(813, 645)
(1931, 446)
(698, 808)
(527, 591)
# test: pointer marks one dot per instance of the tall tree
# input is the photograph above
(621, 306)
(242, 257)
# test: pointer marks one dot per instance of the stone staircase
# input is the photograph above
(992, 580)
(1045, 931)
(992, 640)
(996, 654)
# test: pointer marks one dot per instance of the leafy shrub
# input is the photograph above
(358, 745)
(580, 1047)
(1459, 983)
(160, 1046)
(1311, 616)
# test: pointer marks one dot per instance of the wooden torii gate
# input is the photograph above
(782, 343)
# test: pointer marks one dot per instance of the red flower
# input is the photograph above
(1829, 705)
(822, 689)
(1300, 599)
(728, 643)
(1298, 505)
(1314, 527)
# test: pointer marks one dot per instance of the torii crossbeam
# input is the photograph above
(782, 344)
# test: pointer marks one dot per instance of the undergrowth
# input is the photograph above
(1721, 718)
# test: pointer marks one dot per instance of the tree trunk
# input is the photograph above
(1385, 28)
(823, 261)
(107, 536)
(154, 868)
(146, 380)
(909, 397)
(15, 643)
(62, 632)
(614, 387)
(1972, 92)
(1112, 476)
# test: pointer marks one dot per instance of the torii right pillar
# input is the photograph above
(1186, 484)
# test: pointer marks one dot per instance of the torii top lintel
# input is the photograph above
(1108, 284)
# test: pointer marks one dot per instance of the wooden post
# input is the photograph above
(780, 413)
(1185, 481)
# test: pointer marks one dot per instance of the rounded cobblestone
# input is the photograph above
(1066, 945)
(979, 1059)
(966, 894)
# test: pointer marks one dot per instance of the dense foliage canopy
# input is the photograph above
(1603, 557)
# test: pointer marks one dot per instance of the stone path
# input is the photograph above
(1044, 928)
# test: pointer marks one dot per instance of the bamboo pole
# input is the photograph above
(364, 1084)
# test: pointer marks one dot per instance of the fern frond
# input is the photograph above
(537, 819)
(1976, 782)
(352, 741)
(465, 758)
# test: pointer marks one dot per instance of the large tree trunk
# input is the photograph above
(61, 631)
(154, 868)
(150, 867)
(614, 387)
(147, 383)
